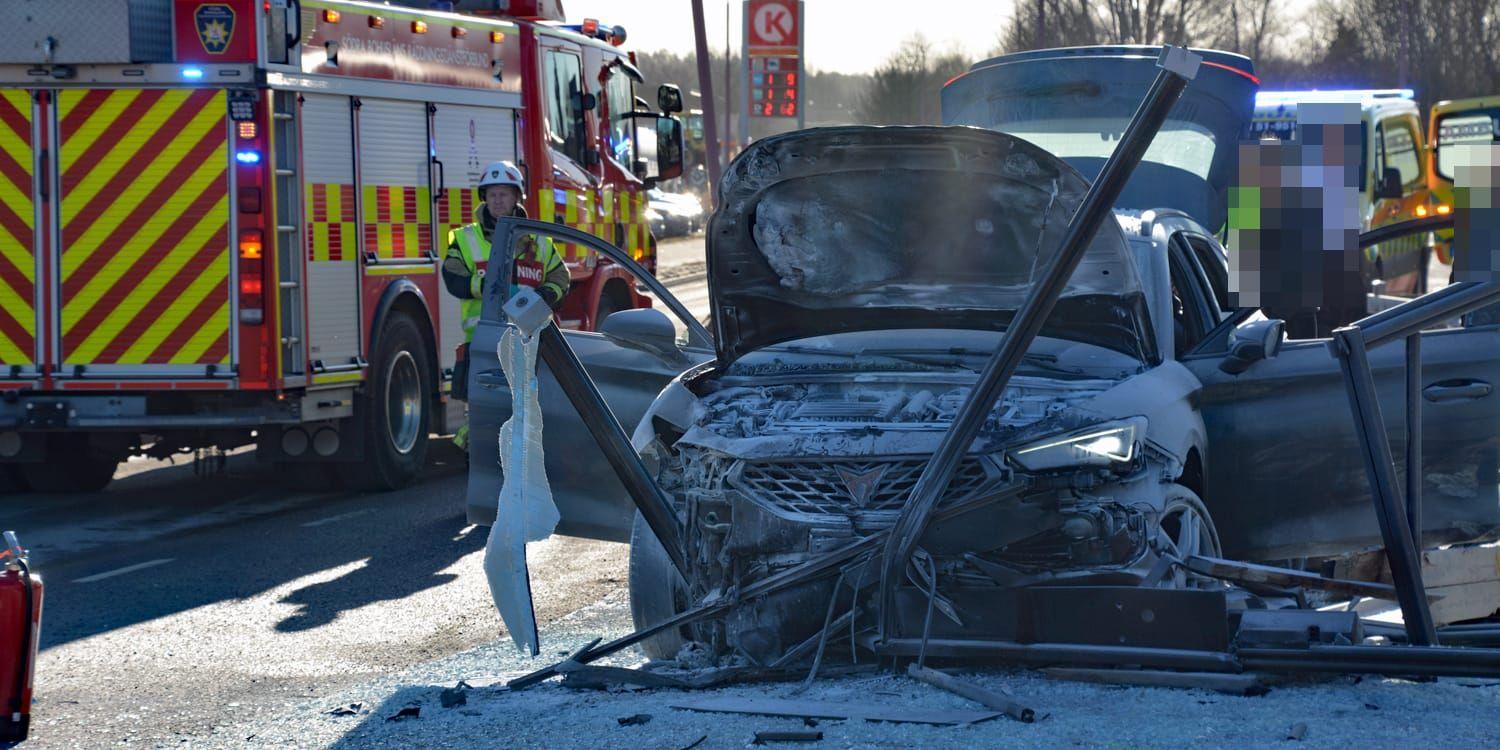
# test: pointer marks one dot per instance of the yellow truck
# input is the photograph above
(1393, 181)
(1454, 125)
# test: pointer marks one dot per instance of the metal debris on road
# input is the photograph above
(409, 712)
(1297, 732)
(986, 698)
(796, 735)
(1244, 683)
(801, 709)
(351, 709)
(455, 696)
(634, 720)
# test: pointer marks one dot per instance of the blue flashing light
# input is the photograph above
(1357, 96)
(192, 74)
(247, 157)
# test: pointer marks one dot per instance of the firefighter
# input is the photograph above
(537, 263)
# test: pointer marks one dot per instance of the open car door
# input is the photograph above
(632, 357)
(1285, 475)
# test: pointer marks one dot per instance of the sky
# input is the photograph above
(848, 36)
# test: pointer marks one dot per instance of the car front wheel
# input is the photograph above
(655, 591)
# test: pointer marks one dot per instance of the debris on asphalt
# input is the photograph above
(1244, 683)
(350, 709)
(635, 720)
(696, 743)
(802, 735)
(409, 712)
(456, 695)
(1297, 732)
(986, 698)
(798, 709)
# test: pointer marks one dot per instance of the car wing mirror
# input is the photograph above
(646, 327)
(1389, 186)
(1252, 341)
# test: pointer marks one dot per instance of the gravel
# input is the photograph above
(1338, 712)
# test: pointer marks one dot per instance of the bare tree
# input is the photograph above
(1038, 24)
(905, 89)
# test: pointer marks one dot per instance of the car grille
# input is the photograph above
(822, 488)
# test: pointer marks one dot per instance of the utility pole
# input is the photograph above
(728, 82)
(706, 86)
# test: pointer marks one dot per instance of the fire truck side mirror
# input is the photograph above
(668, 147)
(669, 98)
(584, 102)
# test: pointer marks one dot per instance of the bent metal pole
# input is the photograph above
(1177, 67)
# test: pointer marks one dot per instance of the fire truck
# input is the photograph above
(221, 221)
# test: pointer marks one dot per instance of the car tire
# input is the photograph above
(74, 464)
(394, 415)
(1182, 504)
(655, 592)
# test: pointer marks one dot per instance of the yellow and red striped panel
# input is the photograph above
(455, 208)
(615, 206)
(331, 222)
(398, 221)
(145, 227)
(17, 216)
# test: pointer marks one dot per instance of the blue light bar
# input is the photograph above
(192, 74)
(1357, 96)
(247, 157)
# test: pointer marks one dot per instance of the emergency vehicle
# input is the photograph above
(1392, 178)
(221, 221)
(1455, 125)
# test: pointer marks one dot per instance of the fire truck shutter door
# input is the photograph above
(466, 139)
(394, 167)
(333, 240)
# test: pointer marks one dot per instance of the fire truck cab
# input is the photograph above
(222, 221)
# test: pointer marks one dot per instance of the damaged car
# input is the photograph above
(859, 278)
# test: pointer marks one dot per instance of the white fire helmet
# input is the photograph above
(502, 173)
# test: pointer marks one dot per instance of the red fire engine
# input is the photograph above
(221, 220)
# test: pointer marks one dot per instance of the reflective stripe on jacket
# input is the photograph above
(538, 265)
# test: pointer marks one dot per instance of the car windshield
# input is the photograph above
(1180, 145)
(1466, 131)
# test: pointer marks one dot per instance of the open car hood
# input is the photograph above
(874, 228)
(1075, 102)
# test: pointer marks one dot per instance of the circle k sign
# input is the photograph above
(773, 23)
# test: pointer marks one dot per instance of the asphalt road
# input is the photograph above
(178, 601)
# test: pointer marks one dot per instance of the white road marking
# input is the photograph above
(335, 519)
(123, 571)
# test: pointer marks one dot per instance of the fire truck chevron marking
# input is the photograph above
(121, 170)
(144, 211)
(17, 267)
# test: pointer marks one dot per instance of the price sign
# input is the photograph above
(773, 53)
(774, 86)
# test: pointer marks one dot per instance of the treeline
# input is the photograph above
(1443, 49)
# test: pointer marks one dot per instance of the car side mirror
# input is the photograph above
(647, 327)
(669, 98)
(584, 102)
(1389, 186)
(1252, 341)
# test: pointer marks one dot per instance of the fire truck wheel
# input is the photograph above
(654, 592)
(74, 464)
(395, 417)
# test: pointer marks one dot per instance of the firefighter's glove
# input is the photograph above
(550, 296)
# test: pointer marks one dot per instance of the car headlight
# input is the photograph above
(1104, 445)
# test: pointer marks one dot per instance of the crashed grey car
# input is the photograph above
(858, 277)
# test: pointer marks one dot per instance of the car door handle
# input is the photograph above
(1457, 390)
(491, 379)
